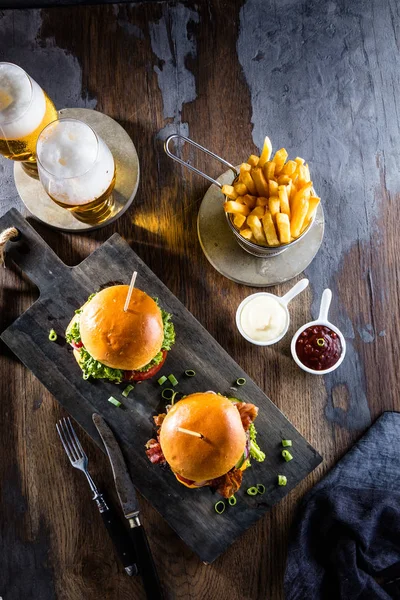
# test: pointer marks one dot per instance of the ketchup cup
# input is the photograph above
(283, 301)
(322, 320)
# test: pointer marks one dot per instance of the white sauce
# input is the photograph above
(263, 319)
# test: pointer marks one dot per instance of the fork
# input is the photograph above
(113, 523)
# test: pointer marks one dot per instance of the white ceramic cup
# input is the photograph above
(283, 301)
(321, 320)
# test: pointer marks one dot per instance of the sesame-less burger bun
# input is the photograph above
(122, 340)
(203, 459)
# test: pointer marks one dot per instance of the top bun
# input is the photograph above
(218, 420)
(122, 340)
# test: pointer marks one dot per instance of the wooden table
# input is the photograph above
(322, 80)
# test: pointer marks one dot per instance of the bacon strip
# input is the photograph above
(154, 452)
(228, 484)
(248, 413)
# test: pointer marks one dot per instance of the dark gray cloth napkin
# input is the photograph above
(345, 542)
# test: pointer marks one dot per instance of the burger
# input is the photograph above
(112, 344)
(207, 440)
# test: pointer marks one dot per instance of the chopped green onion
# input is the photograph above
(162, 380)
(232, 500)
(282, 480)
(114, 401)
(321, 342)
(168, 394)
(190, 373)
(252, 491)
(219, 507)
(286, 443)
(286, 455)
(173, 379)
(240, 381)
(127, 390)
(52, 335)
(260, 488)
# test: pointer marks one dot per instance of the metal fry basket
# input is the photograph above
(250, 247)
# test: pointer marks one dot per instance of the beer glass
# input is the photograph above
(77, 169)
(25, 109)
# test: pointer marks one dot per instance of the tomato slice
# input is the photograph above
(76, 345)
(142, 375)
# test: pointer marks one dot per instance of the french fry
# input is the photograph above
(255, 225)
(253, 160)
(283, 179)
(269, 169)
(266, 152)
(274, 206)
(289, 168)
(229, 191)
(299, 160)
(258, 211)
(262, 201)
(246, 233)
(260, 181)
(284, 200)
(299, 214)
(303, 174)
(273, 187)
(245, 178)
(312, 207)
(289, 189)
(240, 188)
(303, 192)
(249, 201)
(279, 160)
(283, 226)
(269, 230)
(239, 220)
(236, 208)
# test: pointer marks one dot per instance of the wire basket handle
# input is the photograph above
(189, 166)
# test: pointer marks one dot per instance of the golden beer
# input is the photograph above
(25, 109)
(77, 170)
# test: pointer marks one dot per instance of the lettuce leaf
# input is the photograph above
(255, 451)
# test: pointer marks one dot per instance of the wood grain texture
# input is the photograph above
(320, 78)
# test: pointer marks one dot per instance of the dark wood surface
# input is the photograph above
(321, 79)
(62, 291)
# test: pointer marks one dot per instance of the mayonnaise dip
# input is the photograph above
(263, 318)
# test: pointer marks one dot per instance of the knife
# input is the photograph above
(130, 507)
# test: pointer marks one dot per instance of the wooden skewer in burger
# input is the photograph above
(207, 440)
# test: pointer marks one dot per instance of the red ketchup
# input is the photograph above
(318, 347)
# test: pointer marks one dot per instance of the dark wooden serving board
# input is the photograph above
(62, 290)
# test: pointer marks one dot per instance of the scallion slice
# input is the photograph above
(114, 401)
(232, 500)
(190, 373)
(168, 394)
(260, 488)
(282, 480)
(127, 390)
(219, 507)
(286, 443)
(252, 491)
(286, 455)
(162, 380)
(240, 381)
(52, 335)
(173, 380)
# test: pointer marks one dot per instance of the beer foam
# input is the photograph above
(22, 103)
(75, 166)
